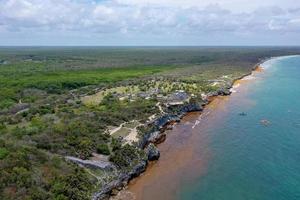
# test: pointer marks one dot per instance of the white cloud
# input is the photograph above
(233, 5)
(139, 17)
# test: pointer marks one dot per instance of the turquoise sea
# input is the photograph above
(255, 155)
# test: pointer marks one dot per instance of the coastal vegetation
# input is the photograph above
(95, 105)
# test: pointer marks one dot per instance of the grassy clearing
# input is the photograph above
(15, 81)
(122, 132)
(132, 124)
(97, 98)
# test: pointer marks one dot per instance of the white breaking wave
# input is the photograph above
(267, 64)
(250, 77)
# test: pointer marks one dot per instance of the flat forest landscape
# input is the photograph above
(73, 119)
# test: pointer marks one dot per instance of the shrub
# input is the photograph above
(85, 148)
(124, 156)
(75, 186)
(103, 149)
(3, 153)
(2, 126)
(115, 144)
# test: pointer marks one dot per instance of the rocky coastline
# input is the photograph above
(157, 135)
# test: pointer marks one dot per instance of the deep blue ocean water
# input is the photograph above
(251, 160)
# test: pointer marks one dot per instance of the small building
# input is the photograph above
(177, 98)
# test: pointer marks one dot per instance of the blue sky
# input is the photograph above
(145, 22)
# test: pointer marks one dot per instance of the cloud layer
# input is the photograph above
(148, 19)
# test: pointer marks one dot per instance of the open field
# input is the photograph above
(60, 101)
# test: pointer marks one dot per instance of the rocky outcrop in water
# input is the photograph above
(122, 180)
(152, 152)
(220, 92)
(161, 122)
(191, 107)
(155, 136)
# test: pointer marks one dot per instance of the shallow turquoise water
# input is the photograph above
(250, 160)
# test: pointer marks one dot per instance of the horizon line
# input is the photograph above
(5, 46)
